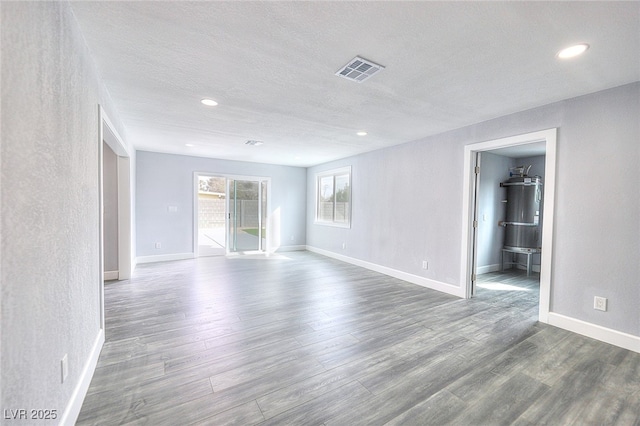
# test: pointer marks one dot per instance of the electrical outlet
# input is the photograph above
(158, 245)
(64, 368)
(292, 238)
(425, 264)
(600, 303)
(344, 246)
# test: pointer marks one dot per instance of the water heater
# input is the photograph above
(522, 220)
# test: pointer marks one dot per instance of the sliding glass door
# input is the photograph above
(247, 213)
(230, 214)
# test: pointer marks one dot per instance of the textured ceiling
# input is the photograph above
(271, 66)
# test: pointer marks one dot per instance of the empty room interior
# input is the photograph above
(320, 213)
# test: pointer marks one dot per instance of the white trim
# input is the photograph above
(333, 224)
(534, 268)
(124, 218)
(496, 268)
(74, 405)
(549, 136)
(405, 276)
(235, 254)
(117, 143)
(467, 215)
(183, 256)
(487, 268)
(110, 136)
(290, 248)
(163, 257)
(603, 334)
(100, 283)
(548, 210)
(111, 275)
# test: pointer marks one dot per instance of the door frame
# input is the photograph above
(108, 134)
(260, 180)
(476, 159)
(549, 137)
(227, 177)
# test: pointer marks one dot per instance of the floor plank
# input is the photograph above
(301, 339)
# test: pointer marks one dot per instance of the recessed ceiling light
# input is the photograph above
(361, 133)
(573, 51)
(209, 102)
(189, 145)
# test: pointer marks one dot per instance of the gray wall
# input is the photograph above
(407, 203)
(110, 208)
(165, 180)
(50, 221)
(491, 209)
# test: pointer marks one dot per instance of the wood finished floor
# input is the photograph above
(300, 339)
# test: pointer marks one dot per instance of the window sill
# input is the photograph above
(333, 224)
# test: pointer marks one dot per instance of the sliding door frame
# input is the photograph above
(267, 217)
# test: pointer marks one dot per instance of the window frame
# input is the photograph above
(334, 174)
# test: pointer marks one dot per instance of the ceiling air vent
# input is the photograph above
(253, 143)
(359, 69)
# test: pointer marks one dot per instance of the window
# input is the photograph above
(333, 197)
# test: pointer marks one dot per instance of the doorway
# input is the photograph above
(231, 214)
(472, 215)
(115, 249)
(509, 222)
(115, 183)
(110, 212)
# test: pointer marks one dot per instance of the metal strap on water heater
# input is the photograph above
(502, 223)
(529, 183)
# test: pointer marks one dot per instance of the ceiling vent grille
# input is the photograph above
(359, 69)
(253, 143)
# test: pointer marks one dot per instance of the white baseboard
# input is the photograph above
(290, 248)
(496, 268)
(487, 268)
(163, 257)
(72, 411)
(534, 268)
(607, 335)
(405, 276)
(111, 275)
(182, 256)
